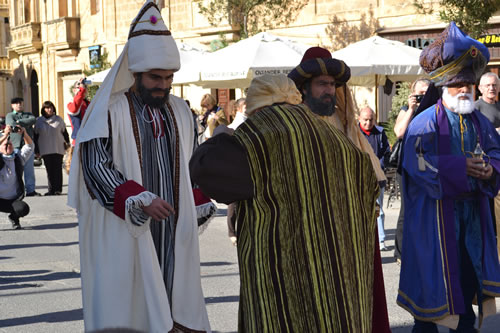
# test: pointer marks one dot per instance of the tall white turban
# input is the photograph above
(150, 46)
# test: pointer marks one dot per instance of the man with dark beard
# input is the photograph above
(322, 81)
(450, 164)
(130, 184)
(298, 229)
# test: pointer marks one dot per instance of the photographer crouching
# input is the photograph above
(11, 175)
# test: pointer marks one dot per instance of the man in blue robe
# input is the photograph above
(451, 166)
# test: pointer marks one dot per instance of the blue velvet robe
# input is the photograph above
(437, 202)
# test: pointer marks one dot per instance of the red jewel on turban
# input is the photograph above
(153, 19)
(473, 52)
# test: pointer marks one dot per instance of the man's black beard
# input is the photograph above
(318, 106)
(147, 97)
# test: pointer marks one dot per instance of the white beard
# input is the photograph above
(457, 105)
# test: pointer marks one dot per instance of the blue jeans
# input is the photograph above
(381, 217)
(29, 174)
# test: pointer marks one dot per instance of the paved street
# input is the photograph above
(40, 281)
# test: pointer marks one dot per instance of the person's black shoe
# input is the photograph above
(15, 222)
(33, 194)
(52, 193)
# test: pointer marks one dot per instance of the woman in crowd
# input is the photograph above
(52, 138)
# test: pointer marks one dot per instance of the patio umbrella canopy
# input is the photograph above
(191, 62)
(98, 78)
(236, 65)
(374, 59)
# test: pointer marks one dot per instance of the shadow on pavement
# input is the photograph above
(16, 273)
(53, 226)
(47, 277)
(390, 234)
(388, 260)
(218, 275)
(20, 246)
(18, 286)
(216, 263)
(52, 317)
(222, 299)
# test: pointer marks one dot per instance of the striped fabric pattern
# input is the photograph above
(158, 143)
(306, 240)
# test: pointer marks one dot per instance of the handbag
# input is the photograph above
(395, 156)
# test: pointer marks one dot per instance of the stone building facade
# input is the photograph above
(45, 44)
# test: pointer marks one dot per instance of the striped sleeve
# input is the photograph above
(106, 183)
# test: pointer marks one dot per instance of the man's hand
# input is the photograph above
(474, 168)
(7, 130)
(159, 209)
(412, 103)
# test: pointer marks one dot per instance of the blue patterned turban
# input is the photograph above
(454, 57)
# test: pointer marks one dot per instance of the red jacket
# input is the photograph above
(76, 111)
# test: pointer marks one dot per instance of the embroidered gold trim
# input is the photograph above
(420, 317)
(445, 256)
(150, 32)
(491, 283)
(452, 65)
(303, 73)
(322, 66)
(441, 308)
(342, 70)
(135, 128)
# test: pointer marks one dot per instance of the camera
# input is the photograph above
(86, 81)
(419, 98)
(15, 129)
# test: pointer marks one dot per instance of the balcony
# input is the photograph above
(63, 33)
(25, 38)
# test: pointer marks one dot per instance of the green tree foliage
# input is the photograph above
(399, 100)
(102, 64)
(342, 33)
(252, 16)
(470, 15)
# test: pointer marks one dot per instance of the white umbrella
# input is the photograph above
(374, 59)
(98, 78)
(191, 63)
(191, 60)
(235, 66)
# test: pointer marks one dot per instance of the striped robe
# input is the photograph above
(306, 238)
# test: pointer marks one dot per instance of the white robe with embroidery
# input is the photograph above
(122, 285)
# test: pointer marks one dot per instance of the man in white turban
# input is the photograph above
(139, 250)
